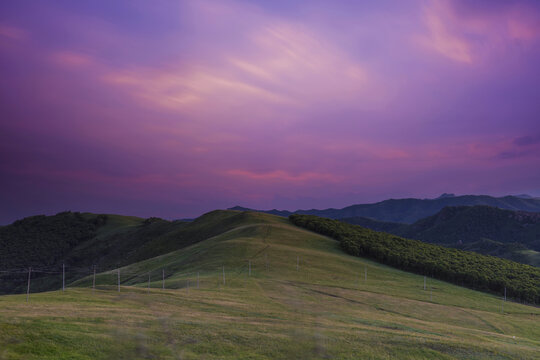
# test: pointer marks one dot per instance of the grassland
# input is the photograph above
(324, 309)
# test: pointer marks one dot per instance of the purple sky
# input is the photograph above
(175, 108)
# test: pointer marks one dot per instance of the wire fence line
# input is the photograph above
(169, 279)
(209, 277)
(99, 277)
(90, 270)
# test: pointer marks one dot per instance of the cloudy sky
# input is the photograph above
(175, 108)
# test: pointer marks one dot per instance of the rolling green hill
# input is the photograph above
(513, 235)
(82, 241)
(304, 298)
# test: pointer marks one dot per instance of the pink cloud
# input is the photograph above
(275, 67)
(71, 58)
(277, 103)
(440, 37)
(281, 176)
(524, 24)
(12, 32)
(467, 36)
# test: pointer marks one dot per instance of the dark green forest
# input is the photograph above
(480, 272)
(513, 235)
(466, 224)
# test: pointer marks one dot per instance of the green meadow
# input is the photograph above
(304, 299)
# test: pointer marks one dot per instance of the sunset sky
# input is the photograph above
(175, 108)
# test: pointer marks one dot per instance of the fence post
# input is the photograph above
(63, 277)
(28, 287)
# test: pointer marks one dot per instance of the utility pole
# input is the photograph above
(28, 288)
(223, 274)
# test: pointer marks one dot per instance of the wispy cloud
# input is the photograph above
(224, 101)
(12, 32)
(441, 38)
(460, 34)
(274, 62)
(282, 176)
(71, 58)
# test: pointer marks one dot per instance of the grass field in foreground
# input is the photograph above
(325, 309)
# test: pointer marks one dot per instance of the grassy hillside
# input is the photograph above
(513, 235)
(82, 241)
(325, 308)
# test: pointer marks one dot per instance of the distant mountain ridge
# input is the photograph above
(410, 210)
